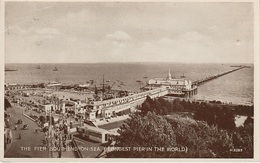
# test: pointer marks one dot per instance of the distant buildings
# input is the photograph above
(16, 87)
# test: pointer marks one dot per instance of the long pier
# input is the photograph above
(201, 81)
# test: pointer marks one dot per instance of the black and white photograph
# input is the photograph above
(130, 79)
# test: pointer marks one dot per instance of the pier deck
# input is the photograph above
(201, 81)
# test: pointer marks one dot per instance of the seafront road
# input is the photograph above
(31, 143)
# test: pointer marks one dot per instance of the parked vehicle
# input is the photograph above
(19, 121)
(25, 127)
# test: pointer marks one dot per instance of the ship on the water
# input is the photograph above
(38, 67)
(178, 87)
(7, 69)
(55, 83)
(55, 69)
(84, 85)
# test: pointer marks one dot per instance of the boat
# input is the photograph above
(52, 84)
(55, 69)
(7, 69)
(38, 67)
(84, 85)
(183, 76)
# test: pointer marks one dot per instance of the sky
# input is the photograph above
(90, 32)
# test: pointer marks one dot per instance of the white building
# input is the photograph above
(47, 108)
(108, 108)
(176, 87)
(76, 106)
(94, 133)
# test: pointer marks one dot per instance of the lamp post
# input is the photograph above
(50, 135)
(54, 101)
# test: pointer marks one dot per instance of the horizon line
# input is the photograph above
(128, 62)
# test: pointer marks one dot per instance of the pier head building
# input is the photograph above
(178, 87)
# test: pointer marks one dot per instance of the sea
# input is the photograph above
(236, 87)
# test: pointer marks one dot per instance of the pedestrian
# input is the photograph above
(20, 136)
(7, 140)
(15, 127)
(59, 152)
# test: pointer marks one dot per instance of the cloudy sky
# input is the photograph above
(128, 32)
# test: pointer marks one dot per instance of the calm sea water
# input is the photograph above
(237, 87)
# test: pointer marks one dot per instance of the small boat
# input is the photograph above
(183, 76)
(55, 69)
(7, 69)
(38, 67)
(91, 81)
(84, 85)
(145, 77)
(55, 83)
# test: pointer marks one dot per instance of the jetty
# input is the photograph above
(209, 78)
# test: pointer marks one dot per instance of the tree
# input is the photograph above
(221, 116)
(226, 119)
(203, 141)
(150, 130)
(248, 121)
(164, 110)
(246, 140)
(176, 105)
(42, 119)
(145, 108)
(7, 104)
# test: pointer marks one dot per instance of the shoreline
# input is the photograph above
(89, 93)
